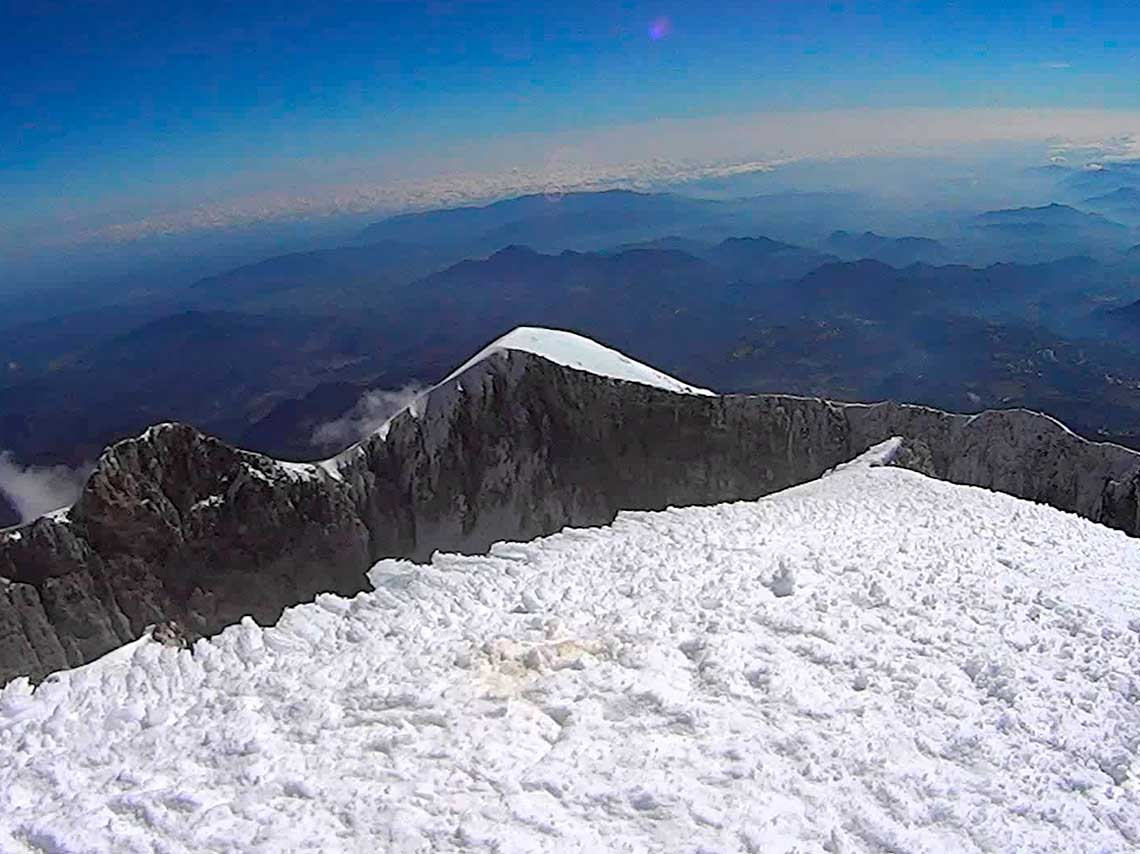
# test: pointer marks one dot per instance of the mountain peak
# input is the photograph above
(580, 353)
(558, 346)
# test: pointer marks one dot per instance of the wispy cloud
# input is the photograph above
(364, 418)
(1058, 66)
(35, 490)
(1124, 146)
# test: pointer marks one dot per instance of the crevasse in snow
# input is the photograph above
(875, 661)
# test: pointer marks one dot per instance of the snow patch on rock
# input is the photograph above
(554, 345)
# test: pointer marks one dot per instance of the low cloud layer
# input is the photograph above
(35, 490)
(646, 155)
(365, 417)
(451, 188)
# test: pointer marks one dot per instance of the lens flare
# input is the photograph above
(659, 28)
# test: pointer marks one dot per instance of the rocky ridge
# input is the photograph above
(177, 526)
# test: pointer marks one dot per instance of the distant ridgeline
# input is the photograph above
(540, 431)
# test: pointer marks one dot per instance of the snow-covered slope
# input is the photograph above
(583, 354)
(874, 661)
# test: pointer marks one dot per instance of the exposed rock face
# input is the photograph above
(176, 526)
(519, 447)
(1023, 453)
(172, 525)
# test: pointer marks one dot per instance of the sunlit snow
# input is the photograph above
(875, 661)
(575, 351)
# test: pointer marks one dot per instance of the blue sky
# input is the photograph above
(120, 109)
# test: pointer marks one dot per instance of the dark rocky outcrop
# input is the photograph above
(176, 526)
(171, 525)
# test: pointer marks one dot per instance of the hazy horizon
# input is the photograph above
(121, 127)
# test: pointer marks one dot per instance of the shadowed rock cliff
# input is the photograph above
(174, 525)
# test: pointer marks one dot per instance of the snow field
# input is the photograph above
(875, 661)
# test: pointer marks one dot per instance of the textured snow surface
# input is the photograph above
(574, 351)
(875, 661)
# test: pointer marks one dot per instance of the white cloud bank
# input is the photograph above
(35, 490)
(644, 155)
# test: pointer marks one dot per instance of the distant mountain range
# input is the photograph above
(265, 353)
(599, 221)
(758, 259)
(1048, 232)
(335, 272)
(563, 220)
(266, 374)
(898, 252)
(955, 336)
(1123, 204)
(1049, 216)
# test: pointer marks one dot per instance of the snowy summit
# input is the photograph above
(555, 345)
(580, 353)
(874, 661)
